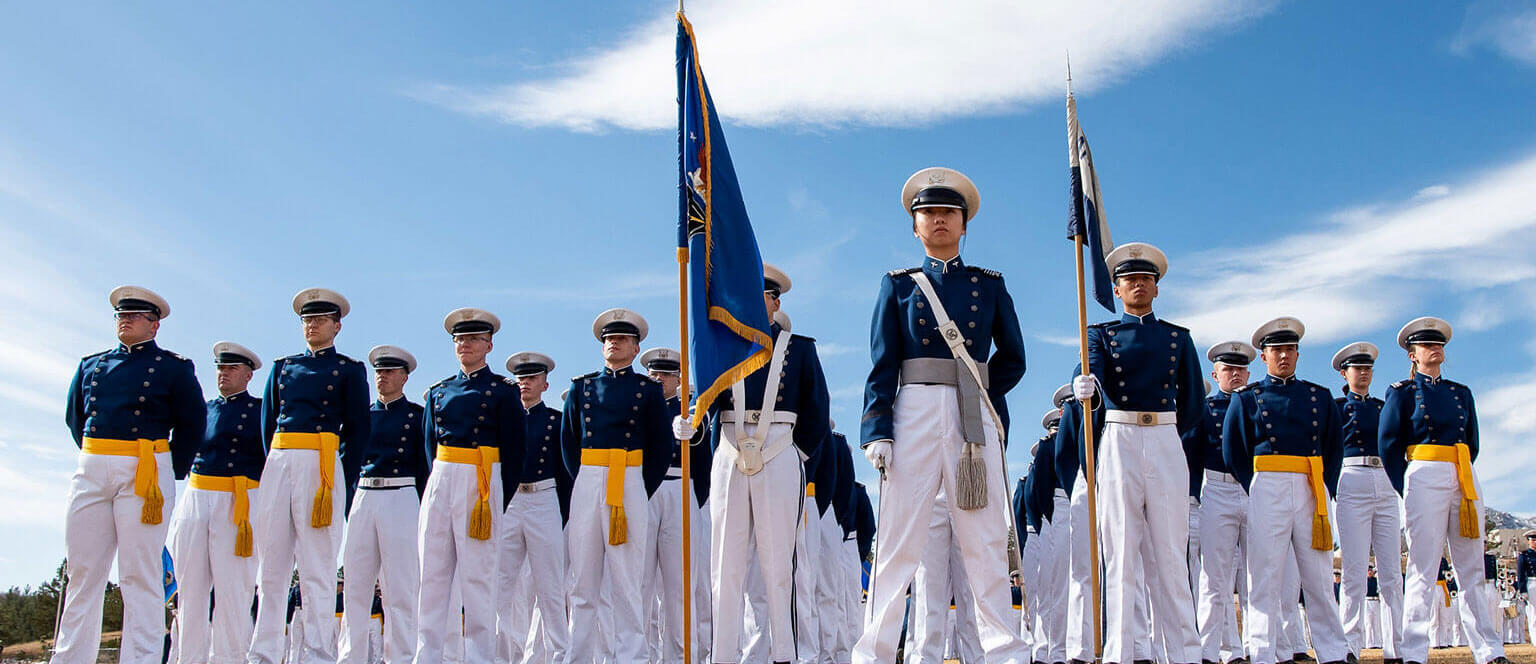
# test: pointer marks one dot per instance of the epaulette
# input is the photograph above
(1402, 383)
(509, 380)
(1243, 388)
(439, 383)
(903, 271)
(991, 273)
(96, 354)
(177, 355)
(802, 337)
(585, 376)
(1104, 324)
(1175, 326)
(1454, 383)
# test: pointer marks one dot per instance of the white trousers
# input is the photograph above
(664, 590)
(928, 445)
(807, 613)
(280, 518)
(1431, 499)
(596, 565)
(530, 573)
(1372, 637)
(1080, 635)
(853, 599)
(102, 520)
(1029, 623)
(1280, 520)
(754, 514)
(1223, 529)
(1368, 522)
(939, 580)
(1530, 611)
(1143, 496)
(380, 548)
(755, 625)
(1050, 600)
(202, 544)
(450, 556)
(1292, 635)
(829, 594)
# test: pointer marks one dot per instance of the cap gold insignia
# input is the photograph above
(1135, 253)
(618, 315)
(1429, 324)
(1284, 325)
(312, 296)
(1236, 348)
(936, 177)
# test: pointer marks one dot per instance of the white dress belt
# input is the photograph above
(1141, 418)
(532, 487)
(385, 482)
(1218, 476)
(1371, 461)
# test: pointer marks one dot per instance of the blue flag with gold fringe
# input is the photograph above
(725, 270)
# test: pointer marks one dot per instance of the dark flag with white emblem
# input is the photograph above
(730, 329)
(1086, 218)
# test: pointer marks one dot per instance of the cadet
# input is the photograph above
(1144, 467)
(1367, 505)
(1429, 439)
(757, 490)
(211, 537)
(1069, 461)
(1281, 439)
(1525, 570)
(534, 530)
(835, 469)
(932, 331)
(664, 572)
(137, 414)
(1053, 507)
(314, 415)
(381, 526)
(477, 429)
(1223, 503)
(615, 443)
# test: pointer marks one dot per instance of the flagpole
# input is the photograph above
(1088, 460)
(685, 454)
(1087, 408)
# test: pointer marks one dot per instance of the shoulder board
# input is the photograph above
(981, 270)
(294, 356)
(1104, 324)
(1406, 382)
(1456, 384)
(903, 271)
(1376, 401)
(178, 356)
(96, 354)
(586, 376)
(801, 337)
(1243, 388)
(509, 380)
(438, 384)
(1315, 386)
(1175, 326)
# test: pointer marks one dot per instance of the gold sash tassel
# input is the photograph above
(1461, 455)
(616, 461)
(326, 444)
(146, 476)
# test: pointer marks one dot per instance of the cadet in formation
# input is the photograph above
(1223, 507)
(136, 412)
(314, 419)
(476, 431)
(932, 419)
(211, 539)
(382, 524)
(1152, 393)
(1367, 506)
(1429, 440)
(531, 606)
(1281, 439)
(615, 442)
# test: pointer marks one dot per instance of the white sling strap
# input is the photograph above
(750, 455)
(968, 390)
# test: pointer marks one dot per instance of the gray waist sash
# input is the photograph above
(940, 371)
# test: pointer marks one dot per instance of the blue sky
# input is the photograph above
(1353, 165)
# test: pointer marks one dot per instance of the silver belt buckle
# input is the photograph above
(1373, 461)
(754, 417)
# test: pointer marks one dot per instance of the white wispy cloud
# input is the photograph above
(1363, 267)
(865, 62)
(1506, 27)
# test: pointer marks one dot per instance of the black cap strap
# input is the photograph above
(939, 197)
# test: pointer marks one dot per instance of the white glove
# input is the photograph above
(682, 429)
(1083, 388)
(879, 454)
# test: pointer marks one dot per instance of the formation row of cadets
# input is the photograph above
(1269, 454)
(431, 516)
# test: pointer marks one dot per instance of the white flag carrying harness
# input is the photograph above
(750, 453)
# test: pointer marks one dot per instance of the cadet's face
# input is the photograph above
(669, 381)
(939, 228)
(1358, 378)
(532, 386)
(620, 349)
(471, 349)
(1136, 290)
(771, 302)
(1530, 543)
(133, 328)
(319, 331)
(233, 378)
(1281, 360)
(390, 382)
(1427, 355)
(1229, 376)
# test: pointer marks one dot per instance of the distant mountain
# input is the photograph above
(1504, 520)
